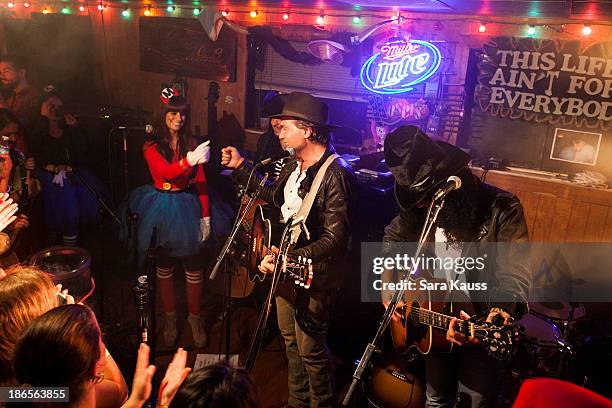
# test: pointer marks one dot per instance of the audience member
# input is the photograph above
(17, 95)
(64, 348)
(25, 294)
(62, 152)
(217, 386)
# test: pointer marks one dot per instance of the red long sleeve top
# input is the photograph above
(177, 175)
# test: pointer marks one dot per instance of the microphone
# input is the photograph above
(290, 152)
(452, 183)
(146, 128)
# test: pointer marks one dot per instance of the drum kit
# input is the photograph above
(68, 266)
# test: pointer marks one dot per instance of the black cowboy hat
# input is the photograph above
(303, 106)
(419, 165)
(274, 105)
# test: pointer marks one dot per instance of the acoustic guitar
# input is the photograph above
(296, 267)
(423, 324)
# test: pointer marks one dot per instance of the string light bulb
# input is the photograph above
(531, 31)
(10, 4)
(101, 6)
(46, 10)
(320, 19)
(285, 16)
(253, 13)
(26, 5)
(225, 13)
(82, 8)
(65, 10)
(196, 11)
(170, 8)
(587, 30)
(482, 28)
(356, 20)
(125, 12)
(147, 11)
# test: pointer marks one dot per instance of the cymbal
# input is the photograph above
(558, 310)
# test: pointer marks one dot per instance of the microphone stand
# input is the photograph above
(144, 292)
(279, 265)
(228, 242)
(398, 295)
(130, 217)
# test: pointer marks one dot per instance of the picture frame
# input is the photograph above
(575, 146)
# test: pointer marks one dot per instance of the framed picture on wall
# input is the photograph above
(575, 146)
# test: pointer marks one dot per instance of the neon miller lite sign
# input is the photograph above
(400, 65)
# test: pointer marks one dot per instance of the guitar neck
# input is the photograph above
(441, 321)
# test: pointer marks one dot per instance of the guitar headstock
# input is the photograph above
(498, 340)
(213, 93)
(300, 269)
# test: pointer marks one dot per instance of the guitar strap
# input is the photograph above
(310, 196)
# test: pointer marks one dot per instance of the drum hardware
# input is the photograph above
(70, 266)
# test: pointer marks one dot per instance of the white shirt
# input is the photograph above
(447, 251)
(293, 201)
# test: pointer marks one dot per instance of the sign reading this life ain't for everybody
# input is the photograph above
(567, 82)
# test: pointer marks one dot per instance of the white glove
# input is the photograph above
(59, 178)
(199, 155)
(204, 229)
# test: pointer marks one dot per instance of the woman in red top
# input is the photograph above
(177, 204)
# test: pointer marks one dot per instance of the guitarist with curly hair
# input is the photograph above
(473, 219)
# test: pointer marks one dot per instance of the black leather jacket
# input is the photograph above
(328, 221)
(507, 267)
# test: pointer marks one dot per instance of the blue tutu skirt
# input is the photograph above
(176, 216)
(68, 206)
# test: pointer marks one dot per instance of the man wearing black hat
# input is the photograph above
(303, 315)
(473, 218)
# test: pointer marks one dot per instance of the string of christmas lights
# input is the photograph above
(320, 18)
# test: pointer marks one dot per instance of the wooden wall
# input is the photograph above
(558, 211)
(124, 84)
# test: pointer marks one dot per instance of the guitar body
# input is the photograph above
(259, 240)
(408, 333)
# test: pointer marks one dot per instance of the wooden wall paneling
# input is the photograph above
(562, 214)
(578, 220)
(544, 218)
(607, 237)
(530, 203)
(596, 223)
(116, 45)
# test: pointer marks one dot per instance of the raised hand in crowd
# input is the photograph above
(176, 373)
(143, 377)
(7, 211)
(63, 294)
